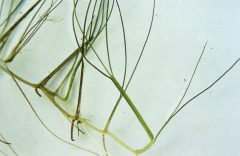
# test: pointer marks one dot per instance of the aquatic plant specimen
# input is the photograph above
(58, 85)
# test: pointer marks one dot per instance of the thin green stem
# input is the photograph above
(107, 42)
(133, 107)
(197, 95)
(45, 126)
(134, 70)
(18, 21)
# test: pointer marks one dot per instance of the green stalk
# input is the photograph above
(18, 21)
(133, 107)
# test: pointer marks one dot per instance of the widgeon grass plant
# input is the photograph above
(90, 26)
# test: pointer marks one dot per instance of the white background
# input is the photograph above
(209, 126)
